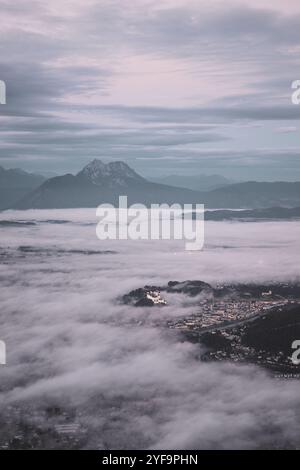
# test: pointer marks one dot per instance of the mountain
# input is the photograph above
(60, 192)
(99, 183)
(15, 183)
(112, 175)
(194, 182)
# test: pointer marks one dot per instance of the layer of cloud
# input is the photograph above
(123, 376)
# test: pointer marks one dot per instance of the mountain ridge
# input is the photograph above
(115, 173)
(100, 182)
(199, 182)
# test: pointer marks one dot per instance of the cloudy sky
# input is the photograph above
(176, 86)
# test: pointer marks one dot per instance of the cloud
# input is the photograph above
(129, 381)
(94, 65)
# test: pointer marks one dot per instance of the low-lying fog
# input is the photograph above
(131, 382)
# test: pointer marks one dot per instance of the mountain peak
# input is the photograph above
(109, 174)
(95, 162)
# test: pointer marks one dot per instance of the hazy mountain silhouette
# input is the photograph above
(252, 194)
(100, 183)
(194, 182)
(15, 183)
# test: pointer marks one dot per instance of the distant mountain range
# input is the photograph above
(194, 182)
(15, 184)
(100, 183)
(252, 194)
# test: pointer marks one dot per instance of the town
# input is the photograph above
(224, 312)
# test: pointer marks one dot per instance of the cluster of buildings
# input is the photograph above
(224, 312)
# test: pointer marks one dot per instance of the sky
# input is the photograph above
(176, 86)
